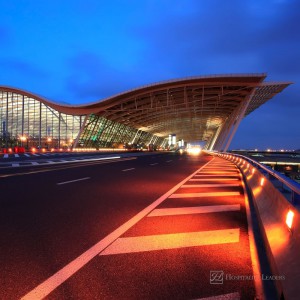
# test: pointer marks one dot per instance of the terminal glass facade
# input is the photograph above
(30, 123)
(99, 132)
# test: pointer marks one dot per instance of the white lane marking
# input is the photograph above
(172, 241)
(216, 175)
(168, 161)
(71, 181)
(27, 155)
(35, 154)
(210, 185)
(15, 165)
(231, 296)
(50, 284)
(5, 156)
(17, 155)
(215, 194)
(34, 163)
(220, 169)
(101, 158)
(125, 170)
(193, 210)
(220, 172)
(154, 164)
(214, 179)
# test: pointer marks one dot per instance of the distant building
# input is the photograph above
(206, 109)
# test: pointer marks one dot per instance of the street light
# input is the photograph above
(23, 138)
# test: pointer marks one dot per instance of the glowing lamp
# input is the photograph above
(289, 219)
(262, 181)
(253, 170)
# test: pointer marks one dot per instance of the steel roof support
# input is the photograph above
(213, 140)
(241, 115)
(80, 131)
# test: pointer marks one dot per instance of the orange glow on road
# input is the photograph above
(289, 219)
(172, 241)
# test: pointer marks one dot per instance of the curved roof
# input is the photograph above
(193, 108)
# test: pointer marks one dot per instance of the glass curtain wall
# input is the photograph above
(29, 123)
(103, 133)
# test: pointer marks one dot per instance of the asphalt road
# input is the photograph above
(63, 234)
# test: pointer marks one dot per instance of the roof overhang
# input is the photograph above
(192, 108)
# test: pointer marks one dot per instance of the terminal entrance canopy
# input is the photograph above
(206, 109)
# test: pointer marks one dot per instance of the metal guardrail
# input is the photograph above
(289, 188)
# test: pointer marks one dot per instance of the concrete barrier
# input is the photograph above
(282, 242)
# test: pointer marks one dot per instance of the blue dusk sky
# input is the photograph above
(78, 51)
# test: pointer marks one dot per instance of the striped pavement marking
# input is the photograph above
(196, 195)
(219, 167)
(214, 179)
(27, 155)
(5, 156)
(17, 155)
(58, 278)
(210, 185)
(172, 241)
(220, 172)
(216, 175)
(15, 165)
(193, 210)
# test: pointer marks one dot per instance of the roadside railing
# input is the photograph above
(288, 187)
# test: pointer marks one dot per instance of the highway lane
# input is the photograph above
(51, 217)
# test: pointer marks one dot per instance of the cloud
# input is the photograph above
(217, 35)
(21, 68)
(91, 78)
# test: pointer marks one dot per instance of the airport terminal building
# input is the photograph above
(204, 108)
